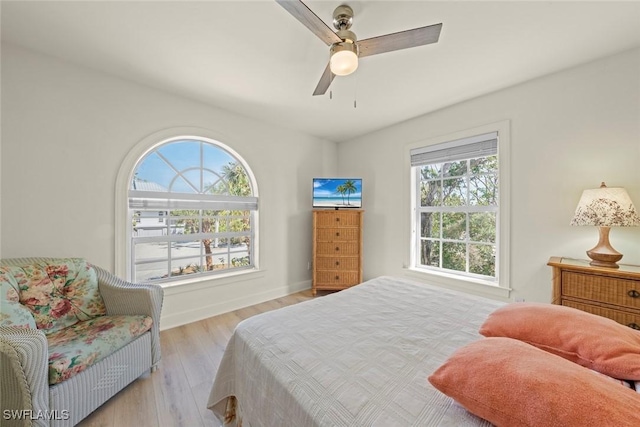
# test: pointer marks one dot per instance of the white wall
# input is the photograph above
(66, 130)
(569, 131)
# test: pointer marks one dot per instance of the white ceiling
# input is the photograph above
(253, 58)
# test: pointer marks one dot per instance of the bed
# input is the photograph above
(360, 357)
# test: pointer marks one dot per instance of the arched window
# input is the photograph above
(192, 207)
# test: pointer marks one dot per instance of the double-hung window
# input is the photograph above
(192, 211)
(457, 213)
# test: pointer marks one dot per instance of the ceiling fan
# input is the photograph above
(345, 47)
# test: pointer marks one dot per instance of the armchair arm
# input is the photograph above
(24, 382)
(126, 298)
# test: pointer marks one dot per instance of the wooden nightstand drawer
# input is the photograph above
(338, 263)
(609, 290)
(338, 234)
(338, 248)
(337, 278)
(604, 291)
(630, 319)
(332, 219)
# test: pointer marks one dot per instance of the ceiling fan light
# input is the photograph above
(344, 58)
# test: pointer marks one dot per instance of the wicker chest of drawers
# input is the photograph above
(337, 249)
(608, 292)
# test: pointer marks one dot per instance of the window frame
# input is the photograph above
(467, 282)
(124, 214)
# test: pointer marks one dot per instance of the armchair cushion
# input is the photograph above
(73, 349)
(12, 313)
(59, 293)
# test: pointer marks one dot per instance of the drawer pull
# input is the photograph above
(634, 326)
(338, 278)
(337, 248)
(337, 234)
(338, 219)
(337, 262)
(633, 293)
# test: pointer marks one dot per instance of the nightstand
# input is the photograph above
(607, 292)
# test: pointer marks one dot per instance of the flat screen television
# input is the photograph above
(337, 193)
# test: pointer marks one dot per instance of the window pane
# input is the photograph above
(176, 226)
(209, 225)
(215, 158)
(484, 165)
(185, 257)
(213, 183)
(153, 174)
(223, 224)
(430, 171)
(192, 177)
(151, 261)
(454, 225)
(454, 256)
(184, 267)
(185, 222)
(430, 224)
(210, 248)
(430, 253)
(454, 192)
(220, 254)
(240, 252)
(483, 190)
(482, 227)
(150, 223)
(430, 193)
(482, 259)
(145, 272)
(151, 250)
(454, 168)
(182, 154)
(180, 185)
(236, 179)
(239, 221)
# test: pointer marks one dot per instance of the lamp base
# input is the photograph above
(603, 255)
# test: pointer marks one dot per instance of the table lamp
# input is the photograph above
(605, 207)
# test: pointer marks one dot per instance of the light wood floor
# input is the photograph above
(177, 393)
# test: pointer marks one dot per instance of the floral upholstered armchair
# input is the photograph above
(71, 336)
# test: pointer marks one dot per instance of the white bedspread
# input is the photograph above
(360, 357)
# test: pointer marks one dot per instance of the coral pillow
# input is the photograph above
(511, 383)
(592, 341)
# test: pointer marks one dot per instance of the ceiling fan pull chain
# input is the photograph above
(355, 92)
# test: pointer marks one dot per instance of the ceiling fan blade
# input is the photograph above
(302, 13)
(325, 81)
(401, 40)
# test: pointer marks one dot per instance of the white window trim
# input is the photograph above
(498, 289)
(123, 180)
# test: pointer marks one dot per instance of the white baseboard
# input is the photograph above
(171, 320)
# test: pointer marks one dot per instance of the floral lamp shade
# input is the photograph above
(605, 207)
